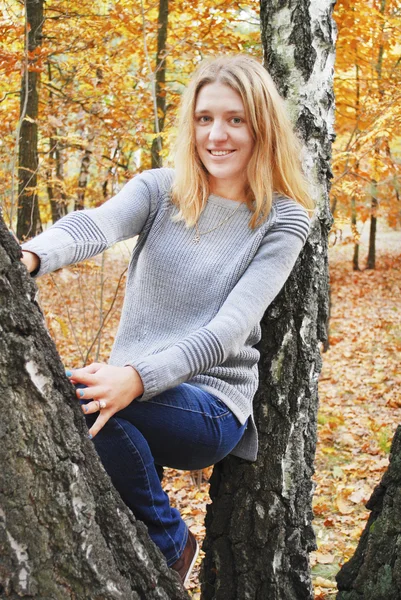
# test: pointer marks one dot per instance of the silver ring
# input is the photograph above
(102, 404)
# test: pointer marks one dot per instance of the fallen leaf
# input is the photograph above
(324, 559)
(325, 583)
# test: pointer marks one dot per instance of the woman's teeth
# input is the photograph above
(220, 152)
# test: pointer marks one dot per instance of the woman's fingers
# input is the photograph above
(81, 376)
(94, 406)
(100, 422)
(90, 393)
(92, 368)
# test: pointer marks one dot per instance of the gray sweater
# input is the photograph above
(192, 310)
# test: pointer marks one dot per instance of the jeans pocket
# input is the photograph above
(218, 408)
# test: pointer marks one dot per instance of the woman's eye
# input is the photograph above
(237, 120)
(204, 119)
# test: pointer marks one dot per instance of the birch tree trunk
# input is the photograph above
(65, 534)
(258, 527)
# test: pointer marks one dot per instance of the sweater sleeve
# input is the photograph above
(225, 335)
(83, 234)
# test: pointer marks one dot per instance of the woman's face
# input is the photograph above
(223, 139)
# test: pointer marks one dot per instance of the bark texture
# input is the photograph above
(259, 530)
(64, 532)
(28, 223)
(374, 572)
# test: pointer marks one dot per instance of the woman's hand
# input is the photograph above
(30, 260)
(110, 388)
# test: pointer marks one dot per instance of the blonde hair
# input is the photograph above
(275, 164)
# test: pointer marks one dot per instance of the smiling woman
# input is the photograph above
(218, 237)
(273, 164)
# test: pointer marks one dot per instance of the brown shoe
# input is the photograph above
(185, 563)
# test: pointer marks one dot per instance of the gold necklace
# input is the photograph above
(197, 236)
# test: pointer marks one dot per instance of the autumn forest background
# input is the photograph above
(108, 77)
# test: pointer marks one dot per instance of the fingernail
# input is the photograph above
(81, 393)
(68, 373)
(90, 436)
(85, 408)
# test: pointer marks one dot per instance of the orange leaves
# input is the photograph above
(95, 79)
(368, 108)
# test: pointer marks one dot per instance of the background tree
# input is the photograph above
(160, 83)
(28, 209)
(258, 528)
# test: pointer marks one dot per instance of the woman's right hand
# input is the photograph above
(30, 260)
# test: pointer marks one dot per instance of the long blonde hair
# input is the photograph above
(275, 164)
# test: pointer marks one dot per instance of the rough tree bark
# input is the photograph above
(28, 209)
(64, 532)
(374, 572)
(258, 527)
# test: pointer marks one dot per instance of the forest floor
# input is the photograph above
(360, 386)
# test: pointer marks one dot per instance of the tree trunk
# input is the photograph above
(111, 171)
(55, 185)
(28, 224)
(371, 262)
(157, 160)
(354, 229)
(84, 174)
(65, 534)
(258, 527)
(356, 236)
(374, 572)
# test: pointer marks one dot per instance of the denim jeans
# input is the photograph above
(183, 428)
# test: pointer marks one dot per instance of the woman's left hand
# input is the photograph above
(110, 388)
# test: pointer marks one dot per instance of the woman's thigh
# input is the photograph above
(185, 427)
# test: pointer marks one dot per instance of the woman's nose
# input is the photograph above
(217, 132)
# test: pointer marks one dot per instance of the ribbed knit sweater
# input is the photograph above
(191, 310)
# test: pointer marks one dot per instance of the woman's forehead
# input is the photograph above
(218, 95)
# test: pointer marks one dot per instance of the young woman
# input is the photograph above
(218, 237)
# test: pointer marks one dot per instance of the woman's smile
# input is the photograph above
(224, 140)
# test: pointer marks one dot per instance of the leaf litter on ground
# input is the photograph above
(360, 390)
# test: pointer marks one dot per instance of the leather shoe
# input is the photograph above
(185, 563)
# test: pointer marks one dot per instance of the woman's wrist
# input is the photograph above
(30, 260)
(137, 381)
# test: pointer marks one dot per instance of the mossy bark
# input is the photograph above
(258, 527)
(64, 532)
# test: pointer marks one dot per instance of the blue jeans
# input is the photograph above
(183, 428)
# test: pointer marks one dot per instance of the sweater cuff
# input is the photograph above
(161, 371)
(44, 266)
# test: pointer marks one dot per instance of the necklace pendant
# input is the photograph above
(196, 239)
